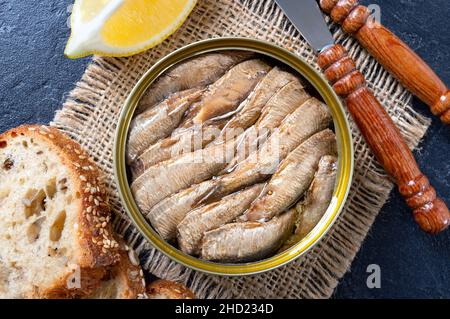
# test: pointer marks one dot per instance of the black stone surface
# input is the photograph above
(35, 78)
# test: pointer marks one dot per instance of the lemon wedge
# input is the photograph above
(123, 27)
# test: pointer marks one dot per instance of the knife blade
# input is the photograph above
(374, 123)
(306, 16)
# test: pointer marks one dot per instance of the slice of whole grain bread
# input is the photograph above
(56, 239)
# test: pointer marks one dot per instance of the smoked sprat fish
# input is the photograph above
(158, 122)
(316, 201)
(318, 197)
(168, 213)
(250, 109)
(212, 216)
(286, 101)
(189, 140)
(222, 148)
(283, 103)
(247, 241)
(194, 73)
(183, 140)
(308, 119)
(225, 95)
(222, 97)
(293, 177)
(165, 215)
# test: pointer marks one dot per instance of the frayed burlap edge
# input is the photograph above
(91, 112)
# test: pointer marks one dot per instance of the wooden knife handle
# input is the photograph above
(392, 53)
(383, 137)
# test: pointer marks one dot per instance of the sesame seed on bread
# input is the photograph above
(56, 238)
(165, 289)
(124, 280)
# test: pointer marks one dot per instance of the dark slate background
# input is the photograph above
(35, 78)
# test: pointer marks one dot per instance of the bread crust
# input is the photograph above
(131, 272)
(126, 275)
(90, 279)
(165, 289)
(98, 246)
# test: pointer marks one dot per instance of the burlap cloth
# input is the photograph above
(91, 112)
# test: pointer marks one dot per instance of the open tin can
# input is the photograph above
(341, 127)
